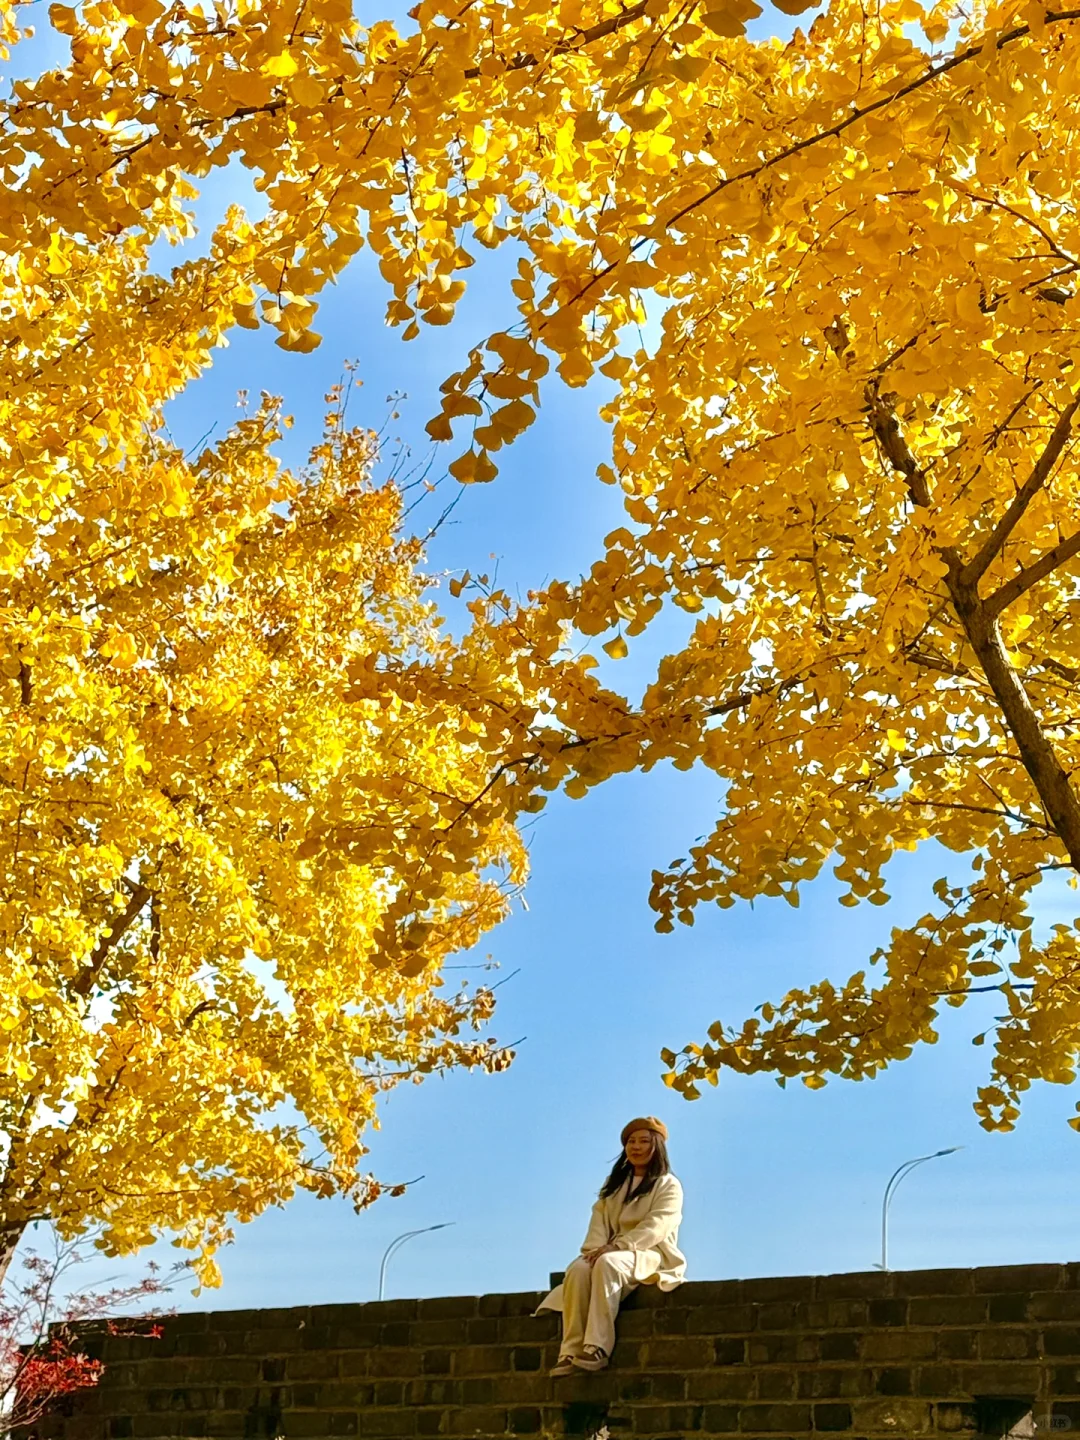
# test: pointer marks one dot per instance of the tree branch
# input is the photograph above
(1052, 783)
(1045, 565)
(934, 662)
(751, 172)
(584, 37)
(991, 548)
(112, 937)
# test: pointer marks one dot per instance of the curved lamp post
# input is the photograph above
(901, 1173)
(395, 1246)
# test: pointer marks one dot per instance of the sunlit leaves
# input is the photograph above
(833, 286)
(247, 813)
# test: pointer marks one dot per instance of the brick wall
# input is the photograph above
(988, 1352)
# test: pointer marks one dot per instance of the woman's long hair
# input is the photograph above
(622, 1170)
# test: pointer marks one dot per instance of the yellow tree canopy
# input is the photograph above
(242, 795)
(845, 441)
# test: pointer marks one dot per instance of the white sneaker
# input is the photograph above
(592, 1360)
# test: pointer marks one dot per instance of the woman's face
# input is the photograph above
(640, 1146)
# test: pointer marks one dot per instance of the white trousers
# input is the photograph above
(591, 1298)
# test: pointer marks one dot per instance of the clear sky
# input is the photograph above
(777, 1181)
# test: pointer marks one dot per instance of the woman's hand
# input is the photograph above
(593, 1255)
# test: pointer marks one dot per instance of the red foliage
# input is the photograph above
(44, 1330)
(45, 1376)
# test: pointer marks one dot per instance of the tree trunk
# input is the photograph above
(1039, 757)
(10, 1235)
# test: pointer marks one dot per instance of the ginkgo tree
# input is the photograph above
(846, 444)
(244, 820)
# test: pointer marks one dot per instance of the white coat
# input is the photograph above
(648, 1226)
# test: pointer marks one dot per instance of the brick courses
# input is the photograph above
(963, 1353)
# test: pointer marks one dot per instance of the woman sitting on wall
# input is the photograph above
(632, 1240)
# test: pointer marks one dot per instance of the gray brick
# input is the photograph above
(1055, 1305)
(835, 1384)
(782, 1349)
(670, 1386)
(774, 1418)
(524, 1420)
(1008, 1345)
(765, 1289)
(391, 1364)
(533, 1329)
(890, 1311)
(844, 1345)
(310, 1365)
(1061, 1342)
(893, 1382)
(384, 1423)
(777, 1384)
(955, 1418)
(271, 1342)
(683, 1352)
(526, 1357)
(639, 1323)
(482, 1360)
(738, 1384)
(429, 1333)
(666, 1419)
(520, 1389)
(720, 1320)
(885, 1345)
(777, 1315)
(400, 1332)
(867, 1285)
(711, 1292)
(1001, 1379)
(940, 1381)
(1007, 1309)
(832, 1417)
(958, 1344)
(729, 1352)
(382, 1311)
(869, 1354)
(720, 1419)
(386, 1392)
(359, 1335)
(478, 1421)
(833, 1314)
(948, 1310)
(933, 1282)
(236, 1319)
(448, 1307)
(892, 1416)
(1018, 1277)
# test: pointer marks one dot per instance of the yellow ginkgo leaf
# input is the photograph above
(280, 66)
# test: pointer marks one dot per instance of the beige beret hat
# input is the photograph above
(644, 1122)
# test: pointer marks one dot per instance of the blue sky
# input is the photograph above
(777, 1182)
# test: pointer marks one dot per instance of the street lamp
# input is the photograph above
(901, 1173)
(395, 1246)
